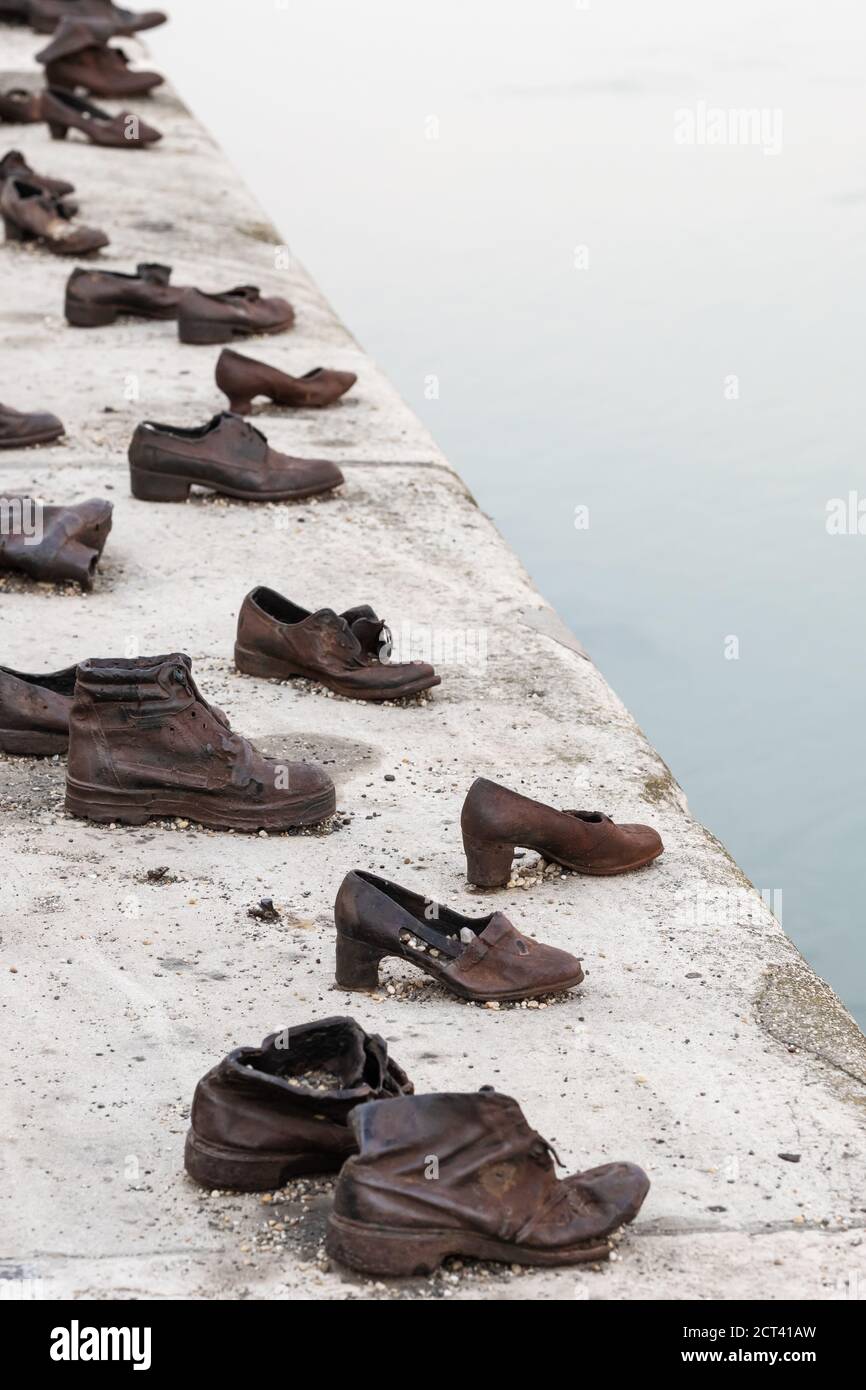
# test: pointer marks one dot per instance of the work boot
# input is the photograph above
(465, 1175)
(270, 1113)
(495, 819)
(79, 56)
(34, 712)
(53, 544)
(144, 743)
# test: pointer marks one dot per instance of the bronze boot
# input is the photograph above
(443, 1175)
(78, 56)
(270, 1113)
(144, 744)
(495, 819)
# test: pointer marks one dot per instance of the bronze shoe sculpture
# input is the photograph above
(14, 166)
(279, 640)
(95, 298)
(34, 712)
(495, 819)
(482, 959)
(53, 544)
(494, 1194)
(270, 1113)
(227, 455)
(22, 429)
(79, 56)
(237, 313)
(64, 111)
(243, 378)
(145, 744)
(31, 214)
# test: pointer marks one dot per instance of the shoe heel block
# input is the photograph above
(376, 1250)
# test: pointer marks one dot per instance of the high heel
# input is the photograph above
(58, 132)
(488, 865)
(357, 964)
(157, 487)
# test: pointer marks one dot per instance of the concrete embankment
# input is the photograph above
(701, 1045)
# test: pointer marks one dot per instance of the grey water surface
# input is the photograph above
(613, 254)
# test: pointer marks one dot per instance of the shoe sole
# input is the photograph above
(46, 438)
(203, 332)
(212, 1165)
(174, 487)
(389, 1251)
(255, 664)
(27, 743)
(106, 805)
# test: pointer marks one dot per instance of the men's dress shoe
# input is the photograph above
(270, 1113)
(31, 214)
(68, 545)
(19, 107)
(476, 958)
(45, 15)
(97, 297)
(64, 111)
(79, 56)
(278, 639)
(229, 456)
(14, 166)
(495, 1195)
(144, 743)
(237, 313)
(19, 429)
(243, 378)
(494, 820)
(34, 712)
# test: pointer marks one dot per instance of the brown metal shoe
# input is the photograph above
(34, 712)
(20, 107)
(64, 111)
(45, 15)
(31, 214)
(21, 429)
(237, 313)
(270, 1113)
(78, 56)
(278, 640)
(495, 1195)
(243, 378)
(145, 744)
(53, 544)
(494, 820)
(14, 166)
(227, 455)
(481, 959)
(98, 297)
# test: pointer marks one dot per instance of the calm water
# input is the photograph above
(667, 333)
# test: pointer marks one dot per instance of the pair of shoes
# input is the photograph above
(31, 211)
(21, 429)
(95, 298)
(62, 543)
(325, 1097)
(79, 56)
(347, 653)
(45, 15)
(64, 111)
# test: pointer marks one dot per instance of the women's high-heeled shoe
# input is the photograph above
(19, 107)
(14, 166)
(64, 111)
(244, 378)
(31, 214)
(495, 820)
(478, 958)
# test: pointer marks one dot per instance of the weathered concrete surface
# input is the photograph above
(701, 1045)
